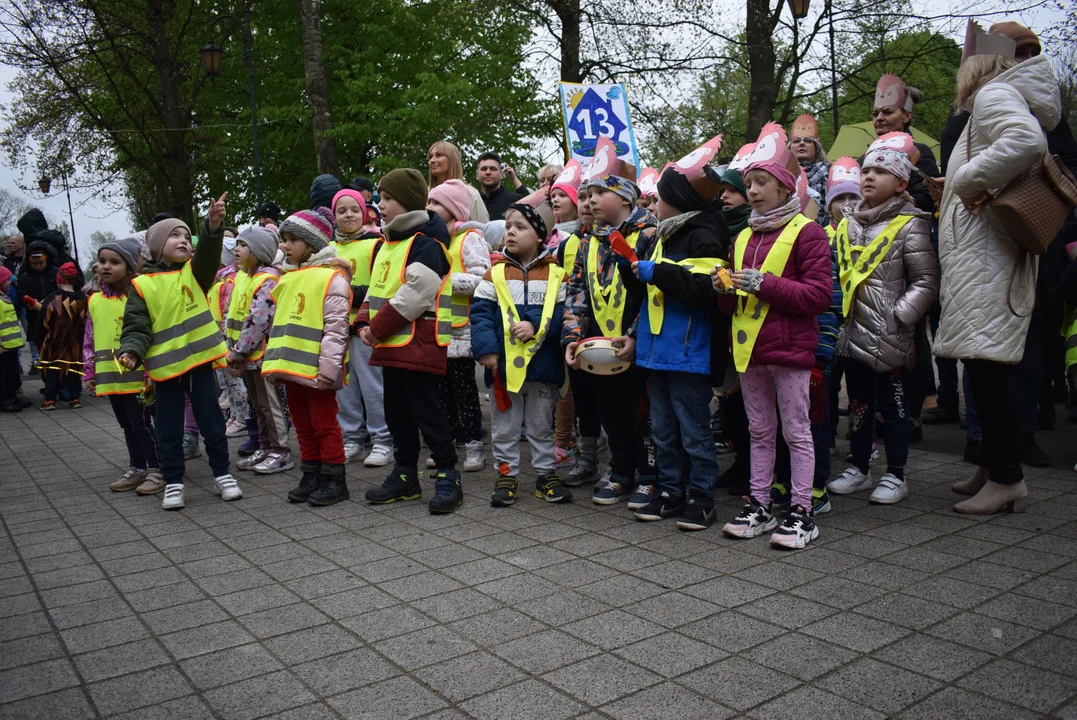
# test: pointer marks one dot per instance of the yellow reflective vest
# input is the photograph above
(389, 276)
(856, 264)
(10, 330)
(112, 378)
(239, 307)
(750, 314)
(360, 255)
(461, 304)
(572, 248)
(607, 303)
(295, 342)
(518, 354)
(656, 304)
(185, 334)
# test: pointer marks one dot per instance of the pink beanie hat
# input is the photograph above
(355, 195)
(5, 275)
(455, 196)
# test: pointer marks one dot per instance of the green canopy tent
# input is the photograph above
(853, 140)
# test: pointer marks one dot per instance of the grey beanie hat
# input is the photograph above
(262, 242)
(130, 249)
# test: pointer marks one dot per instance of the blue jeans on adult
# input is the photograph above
(680, 422)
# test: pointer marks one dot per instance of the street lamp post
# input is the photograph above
(44, 185)
(799, 9)
(211, 60)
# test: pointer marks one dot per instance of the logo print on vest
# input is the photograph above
(298, 306)
(189, 298)
(383, 274)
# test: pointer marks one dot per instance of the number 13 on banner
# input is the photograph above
(594, 111)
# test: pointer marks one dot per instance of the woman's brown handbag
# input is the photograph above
(1032, 207)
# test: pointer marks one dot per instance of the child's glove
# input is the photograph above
(622, 262)
(748, 280)
(645, 270)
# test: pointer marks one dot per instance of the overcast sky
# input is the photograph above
(91, 215)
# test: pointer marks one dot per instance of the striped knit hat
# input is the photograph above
(311, 227)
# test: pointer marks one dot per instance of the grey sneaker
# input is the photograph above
(153, 484)
(173, 497)
(128, 481)
(352, 450)
(226, 486)
(274, 463)
(250, 461)
(475, 457)
(190, 446)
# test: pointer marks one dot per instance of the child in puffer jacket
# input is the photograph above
(890, 276)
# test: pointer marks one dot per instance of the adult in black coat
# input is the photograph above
(35, 228)
(37, 276)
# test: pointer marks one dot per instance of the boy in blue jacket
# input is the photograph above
(677, 340)
(516, 317)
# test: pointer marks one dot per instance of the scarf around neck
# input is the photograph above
(776, 218)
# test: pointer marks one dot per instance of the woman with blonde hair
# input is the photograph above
(988, 284)
(443, 163)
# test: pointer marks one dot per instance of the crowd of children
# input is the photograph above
(772, 277)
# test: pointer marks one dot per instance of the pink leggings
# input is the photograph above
(759, 385)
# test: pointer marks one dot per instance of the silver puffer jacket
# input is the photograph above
(879, 330)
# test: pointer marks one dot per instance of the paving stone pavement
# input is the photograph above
(259, 608)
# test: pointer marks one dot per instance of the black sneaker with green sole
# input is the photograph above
(399, 485)
(504, 491)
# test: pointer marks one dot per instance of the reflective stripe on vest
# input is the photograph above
(10, 330)
(832, 234)
(607, 303)
(295, 341)
(656, 302)
(388, 277)
(461, 304)
(184, 332)
(111, 377)
(856, 264)
(518, 354)
(360, 255)
(572, 247)
(751, 311)
(1071, 343)
(239, 307)
(213, 297)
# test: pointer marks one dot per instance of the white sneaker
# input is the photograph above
(796, 531)
(352, 450)
(250, 461)
(274, 463)
(430, 462)
(225, 485)
(850, 481)
(173, 497)
(380, 456)
(474, 457)
(890, 490)
(235, 428)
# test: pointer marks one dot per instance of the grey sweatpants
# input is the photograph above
(361, 403)
(532, 410)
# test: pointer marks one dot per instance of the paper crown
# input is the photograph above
(740, 160)
(772, 148)
(890, 93)
(648, 182)
(900, 141)
(607, 163)
(695, 167)
(843, 170)
(572, 175)
(805, 126)
(978, 42)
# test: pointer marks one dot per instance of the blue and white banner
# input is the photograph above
(594, 111)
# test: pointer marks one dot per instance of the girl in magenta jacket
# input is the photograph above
(783, 275)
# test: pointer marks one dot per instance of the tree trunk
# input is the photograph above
(568, 12)
(317, 87)
(762, 92)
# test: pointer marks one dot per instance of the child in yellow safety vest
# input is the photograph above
(168, 327)
(248, 323)
(407, 320)
(516, 331)
(10, 342)
(308, 349)
(234, 390)
(117, 265)
(889, 275)
(470, 258)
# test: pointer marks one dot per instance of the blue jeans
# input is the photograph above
(683, 443)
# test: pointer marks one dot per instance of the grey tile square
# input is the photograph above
(205, 639)
(184, 708)
(881, 687)
(954, 704)
(671, 654)
(467, 676)
(1030, 560)
(496, 627)
(257, 599)
(989, 574)
(280, 620)
(1054, 589)
(400, 698)
(905, 610)
(182, 617)
(601, 679)
(674, 609)
(338, 673)
(165, 596)
(855, 631)
(612, 629)
(115, 661)
(234, 581)
(732, 631)
(37, 679)
(67, 704)
(312, 643)
(228, 666)
(1050, 652)
(951, 591)
(983, 633)
(1032, 688)
(387, 622)
(884, 575)
(621, 590)
(786, 611)
(545, 651)
(822, 703)
(813, 656)
(529, 700)
(665, 702)
(87, 613)
(933, 657)
(420, 585)
(482, 570)
(389, 568)
(837, 592)
(29, 650)
(456, 605)
(103, 634)
(565, 606)
(131, 692)
(518, 588)
(738, 683)
(353, 602)
(258, 696)
(728, 591)
(424, 647)
(34, 623)
(576, 572)
(1030, 611)
(327, 583)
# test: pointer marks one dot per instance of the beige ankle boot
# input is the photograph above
(972, 484)
(995, 498)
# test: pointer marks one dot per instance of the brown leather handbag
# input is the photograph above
(1032, 207)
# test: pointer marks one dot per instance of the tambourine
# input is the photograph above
(598, 355)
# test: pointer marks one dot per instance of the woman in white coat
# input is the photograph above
(988, 283)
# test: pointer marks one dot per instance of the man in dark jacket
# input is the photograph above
(494, 195)
(16, 254)
(35, 227)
